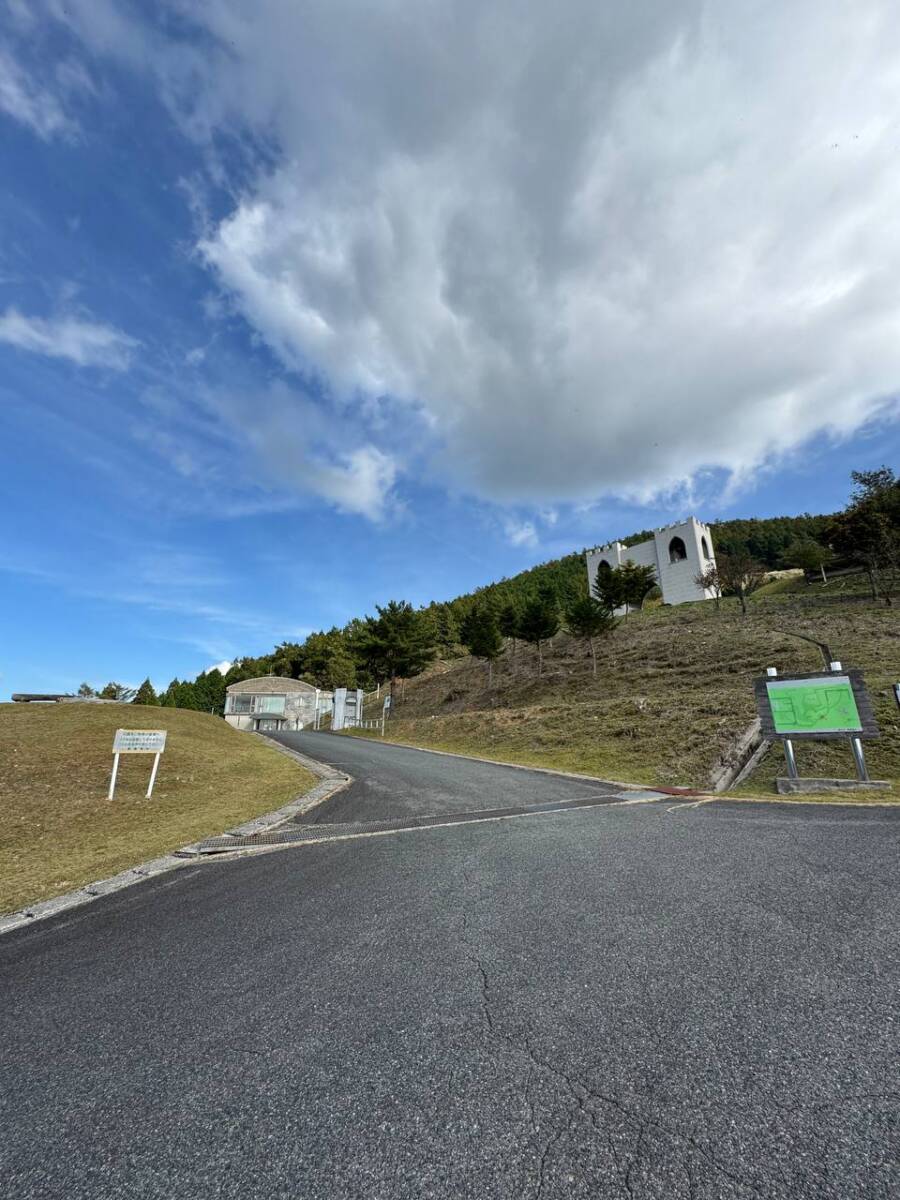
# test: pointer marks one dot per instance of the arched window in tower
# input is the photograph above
(677, 550)
(603, 571)
(704, 546)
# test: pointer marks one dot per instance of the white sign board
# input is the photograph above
(139, 741)
(387, 702)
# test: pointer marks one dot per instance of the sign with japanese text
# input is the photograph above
(139, 741)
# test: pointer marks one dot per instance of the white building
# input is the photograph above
(273, 702)
(677, 553)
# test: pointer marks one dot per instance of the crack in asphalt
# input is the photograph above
(582, 1095)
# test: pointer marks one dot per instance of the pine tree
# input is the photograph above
(480, 634)
(607, 588)
(447, 628)
(508, 622)
(587, 618)
(399, 642)
(636, 582)
(145, 694)
(539, 623)
(116, 691)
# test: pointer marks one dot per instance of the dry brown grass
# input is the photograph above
(58, 828)
(673, 690)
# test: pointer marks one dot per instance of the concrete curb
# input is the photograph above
(331, 781)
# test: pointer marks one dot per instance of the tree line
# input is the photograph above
(864, 536)
(399, 641)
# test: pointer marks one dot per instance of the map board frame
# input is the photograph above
(867, 726)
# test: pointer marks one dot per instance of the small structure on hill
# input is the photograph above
(678, 554)
(273, 702)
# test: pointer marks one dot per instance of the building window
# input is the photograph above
(705, 547)
(677, 550)
(243, 703)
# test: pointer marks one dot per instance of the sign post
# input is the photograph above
(384, 712)
(137, 741)
(817, 707)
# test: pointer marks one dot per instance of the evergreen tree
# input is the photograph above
(399, 642)
(288, 660)
(508, 620)
(587, 618)
(116, 691)
(185, 696)
(215, 690)
(607, 588)
(481, 636)
(328, 661)
(446, 627)
(86, 691)
(539, 623)
(145, 694)
(635, 582)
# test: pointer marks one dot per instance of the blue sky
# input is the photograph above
(280, 342)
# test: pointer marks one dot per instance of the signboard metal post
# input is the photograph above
(789, 757)
(137, 741)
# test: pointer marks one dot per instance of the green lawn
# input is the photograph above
(59, 829)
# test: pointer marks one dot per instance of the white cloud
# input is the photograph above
(520, 533)
(31, 105)
(600, 248)
(288, 440)
(224, 666)
(86, 343)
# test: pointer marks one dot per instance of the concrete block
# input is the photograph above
(786, 786)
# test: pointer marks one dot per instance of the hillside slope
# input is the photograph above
(673, 690)
(59, 829)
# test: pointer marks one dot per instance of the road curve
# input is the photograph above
(391, 782)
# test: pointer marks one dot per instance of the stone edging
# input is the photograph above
(331, 781)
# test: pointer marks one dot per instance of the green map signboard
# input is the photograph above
(823, 705)
(815, 706)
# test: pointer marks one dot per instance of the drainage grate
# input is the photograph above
(325, 833)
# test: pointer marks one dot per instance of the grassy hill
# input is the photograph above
(59, 829)
(673, 690)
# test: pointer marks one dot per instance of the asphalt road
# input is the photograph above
(392, 782)
(646, 1001)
